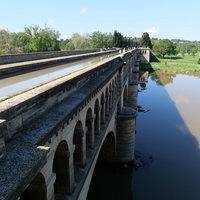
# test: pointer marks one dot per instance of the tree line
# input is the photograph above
(37, 39)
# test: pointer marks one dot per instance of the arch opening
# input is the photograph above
(36, 190)
(62, 169)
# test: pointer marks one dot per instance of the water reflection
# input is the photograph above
(170, 134)
(22, 82)
(167, 145)
(111, 181)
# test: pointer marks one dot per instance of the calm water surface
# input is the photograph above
(19, 83)
(167, 146)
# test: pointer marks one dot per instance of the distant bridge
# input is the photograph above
(52, 136)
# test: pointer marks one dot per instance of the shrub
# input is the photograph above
(198, 61)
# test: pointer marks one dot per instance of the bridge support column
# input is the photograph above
(90, 132)
(97, 120)
(103, 111)
(120, 89)
(135, 72)
(132, 94)
(80, 147)
(110, 99)
(63, 168)
(126, 135)
(107, 105)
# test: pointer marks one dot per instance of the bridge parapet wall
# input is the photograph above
(13, 58)
(25, 108)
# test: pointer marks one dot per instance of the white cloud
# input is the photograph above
(181, 99)
(84, 10)
(52, 21)
(152, 31)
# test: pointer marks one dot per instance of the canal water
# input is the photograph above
(22, 82)
(167, 145)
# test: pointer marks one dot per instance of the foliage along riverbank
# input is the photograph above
(175, 64)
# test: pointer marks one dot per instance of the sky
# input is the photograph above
(169, 19)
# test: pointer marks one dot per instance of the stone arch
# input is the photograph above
(97, 117)
(107, 152)
(62, 169)
(90, 129)
(79, 142)
(36, 190)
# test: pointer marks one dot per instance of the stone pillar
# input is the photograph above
(3, 131)
(125, 147)
(119, 89)
(90, 132)
(103, 101)
(132, 94)
(107, 104)
(80, 147)
(64, 177)
(97, 120)
(112, 97)
(135, 73)
(71, 169)
(110, 100)
(50, 186)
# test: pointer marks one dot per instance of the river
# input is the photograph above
(166, 145)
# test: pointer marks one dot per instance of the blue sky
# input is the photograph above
(171, 19)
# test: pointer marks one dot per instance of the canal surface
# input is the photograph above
(167, 146)
(19, 83)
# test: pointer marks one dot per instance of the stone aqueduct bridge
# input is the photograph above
(52, 135)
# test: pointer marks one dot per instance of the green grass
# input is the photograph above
(186, 64)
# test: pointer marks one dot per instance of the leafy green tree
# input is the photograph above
(63, 44)
(101, 40)
(145, 41)
(86, 41)
(125, 42)
(118, 39)
(136, 42)
(81, 41)
(193, 51)
(19, 41)
(70, 45)
(41, 40)
(6, 46)
(164, 47)
(108, 40)
(97, 40)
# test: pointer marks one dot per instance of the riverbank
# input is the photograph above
(177, 64)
